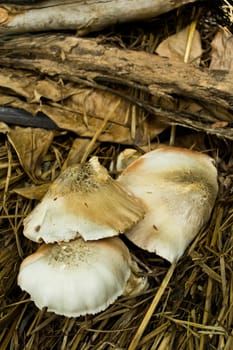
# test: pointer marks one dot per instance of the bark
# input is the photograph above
(83, 16)
(168, 86)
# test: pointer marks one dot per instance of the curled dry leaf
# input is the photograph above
(31, 145)
(222, 50)
(79, 110)
(174, 47)
(3, 15)
(77, 151)
(4, 129)
(29, 86)
(220, 124)
(33, 192)
(126, 124)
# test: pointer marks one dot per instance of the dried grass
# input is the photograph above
(194, 311)
(193, 307)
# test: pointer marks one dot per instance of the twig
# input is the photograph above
(152, 307)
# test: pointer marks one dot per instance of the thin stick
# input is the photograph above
(172, 135)
(206, 313)
(98, 132)
(152, 307)
(191, 33)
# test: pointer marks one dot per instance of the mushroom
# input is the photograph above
(77, 277)
(123, 159)
(178, 187)
(84, 200)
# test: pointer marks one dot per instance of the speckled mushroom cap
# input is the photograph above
(178, 187)
(76, 278)
(84, 200)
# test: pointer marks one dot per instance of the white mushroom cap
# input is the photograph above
(84, 200)
(179, 188)
(76, 278)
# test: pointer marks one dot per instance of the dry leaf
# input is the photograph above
(77, 151)
(174, 46)
(29, 86)
(33, 192)
(95, 105)
(31, 145)
(82, 111)
(3, 128)
(84, 114)
(222, 50)
(220, 124)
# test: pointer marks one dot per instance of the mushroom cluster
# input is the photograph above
(78, 221)
(160, 202)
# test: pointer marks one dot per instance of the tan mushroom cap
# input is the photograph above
(179, 188)
(84, 200)
(76, 278)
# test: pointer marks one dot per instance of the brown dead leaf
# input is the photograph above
(3, 128)
(219, 112)
(3, 15)
(220, 124)
(85, 112)
(189, 106)
(174, 46)
(222, 50)
(77, 151)
(33, 192)
(79, 110)
(29, 86)
(31, 145)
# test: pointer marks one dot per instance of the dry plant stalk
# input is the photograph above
(151, 309)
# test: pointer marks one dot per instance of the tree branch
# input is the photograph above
(89, 62)
(84, 16)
